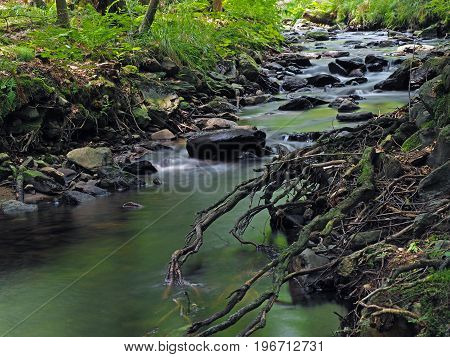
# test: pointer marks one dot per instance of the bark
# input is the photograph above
(217, 5)
(62, 13)
(149, 16)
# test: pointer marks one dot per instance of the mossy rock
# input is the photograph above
(248, 67)
(3, 157)
(142, 117)
(412, 143)
(317, 35)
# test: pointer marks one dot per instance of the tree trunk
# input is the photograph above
(149, 16)
(217, 5)
(62, 13)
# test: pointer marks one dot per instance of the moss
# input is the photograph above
(442, 110)
(366, 166)
(412, 143)
(428, 124)
(129, 69)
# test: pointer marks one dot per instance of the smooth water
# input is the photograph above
(98, 270)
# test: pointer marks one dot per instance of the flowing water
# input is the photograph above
(98, 270)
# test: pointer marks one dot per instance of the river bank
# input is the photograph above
(315, 79)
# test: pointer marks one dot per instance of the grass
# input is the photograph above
(186, 31)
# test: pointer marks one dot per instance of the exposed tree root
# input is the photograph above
(339, 181)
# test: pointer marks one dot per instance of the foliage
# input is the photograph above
(375, 13)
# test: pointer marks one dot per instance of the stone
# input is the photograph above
(164, 134)
(437, 183)
(353, 117)
(430, 32)
(13, 207)
(256, 99)
(317, 35)
(391, 168)
(441, 151)
(429, 93)
(91, 158)
(348, 105)
(214, 123)
(302, 103)
(336, 54)
(356, 73)
(356, 81)
(375, 63)
(170, 67)
(322, 80)
(132, 205)
(150, 65)
(399, 80)
(291, 84)
(90, 188)
(57, 175)
(363, 239)
(75, 197)
(416, 48)
(226, 144)
(337, 69)
(113, 178)
(218, 105)
(249, 68)
(41, 182)
(420, 114)
(350, 64)
(140, 167)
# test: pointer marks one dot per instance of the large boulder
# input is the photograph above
(226, 144)
(337, 69)
(350, 64)
(322, 80)
(13, 207)
(91, 158)
(399, 80)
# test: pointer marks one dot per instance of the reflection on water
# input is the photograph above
(98, 270)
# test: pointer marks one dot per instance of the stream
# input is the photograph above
(98, 270)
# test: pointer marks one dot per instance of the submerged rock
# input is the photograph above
(113, 178)
(317, 35)
(90, 187)
(91, 158)
(13, 207)
(226, 144)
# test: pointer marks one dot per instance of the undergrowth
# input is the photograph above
(186, 31)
